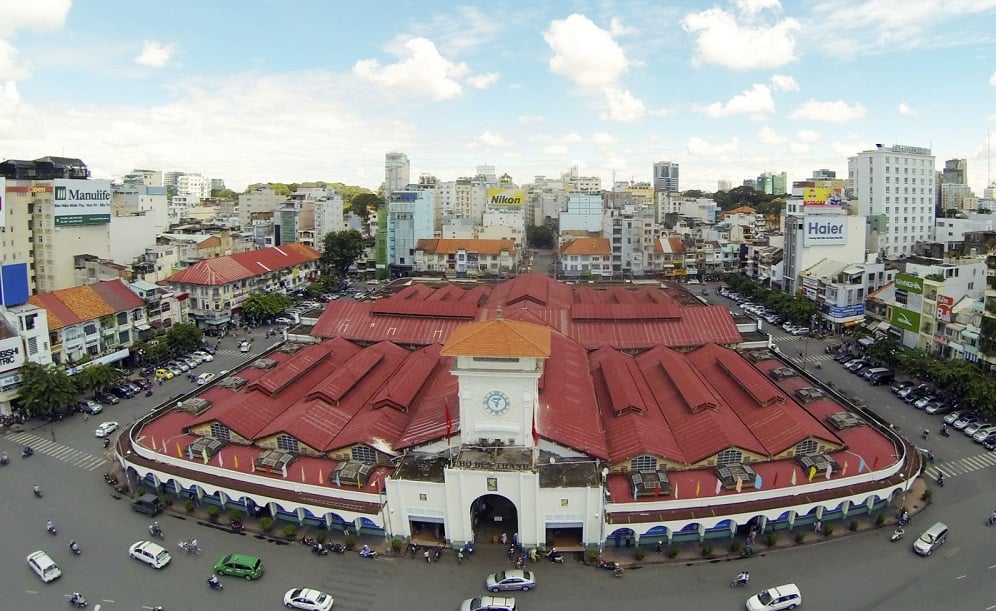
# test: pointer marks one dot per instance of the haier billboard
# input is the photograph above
(820, 230)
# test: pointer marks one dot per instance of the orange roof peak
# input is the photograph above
(500, 338)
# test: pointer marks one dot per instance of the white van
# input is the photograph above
(42, 563)
(931, 539)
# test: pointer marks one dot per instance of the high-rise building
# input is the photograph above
(723, 185)
(772, 184)
(824, 174)
(894, 187)
(955, 172)
(665, 177)
(397, 173)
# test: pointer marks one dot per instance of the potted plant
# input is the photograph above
(167, 500)
(770, 538)
(189, 506)
(640, 553)
(591, 555)
(800, 537)
(735, 546)
(290, 530)
(926, 496)
(321, 536)
(854, 526)
(235, 519)
(266, 524)
(350, 541)
(672, 551)
(396, 545)
(828, 530)
(212, 513)
(707, 550)
(880, 519)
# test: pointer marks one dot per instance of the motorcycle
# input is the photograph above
(437, 553)
(4, 461)
(554, 556)
(107, 442)
(940, 480)
(77, 600)
(338, 548)
(156, 532)
(189, 548)
(319, 550)
(944, 432)
(148, 393)
(26, 452)
(74, 548)
(738, 582)
(991, 520)
(468, 548)
(897, 534)
(37, 491)
(368, 553)
(617, 572)
(608, 566)
(215, 584)
(309, 541)
(51, 528)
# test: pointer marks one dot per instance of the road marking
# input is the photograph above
(992, 566)
(961, 576)
(78, 458)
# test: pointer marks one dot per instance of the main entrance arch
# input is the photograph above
(492, 515)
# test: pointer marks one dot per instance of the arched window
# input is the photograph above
(364, 454)
(643, 463)
(287, 443)
(729, 457)
(221, 432)
(806, 447)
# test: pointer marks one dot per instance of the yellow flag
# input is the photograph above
(179, 452)
(812, 473)
(236, 461)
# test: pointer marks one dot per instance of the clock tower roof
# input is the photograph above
(499, 338)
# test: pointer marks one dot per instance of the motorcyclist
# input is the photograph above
(37, 490)
(155, 530)
(940, 478)
(213, 581)
(49, 525)
(944, 429)
(28, 451)
(75, 598)
(992, 518)
(193, 545)
(365, 551)
(73, 547)
(743, 577)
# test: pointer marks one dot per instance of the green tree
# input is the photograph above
(342, 249)
(96, 377)
(225, 194)
(154, 350)
(262, 306)
(365, 204)
(540, 236)
(184, 337)
(45, 389)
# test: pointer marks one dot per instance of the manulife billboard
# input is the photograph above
(909, 283)
(507, 198)
(906, 319)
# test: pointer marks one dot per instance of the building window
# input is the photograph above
(364, 454)
(643, 463)
(287, 443)
(806, 447)
(729, 457)
(221, 432)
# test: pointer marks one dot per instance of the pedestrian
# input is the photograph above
(53, 434)
(818, 526)
(660, 547)
(460, 556)
(618, 538)
(427, 558)
(504, 539)
(86, 416)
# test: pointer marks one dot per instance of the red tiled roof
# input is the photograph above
(438, 246)
(568, 410)
(499, 338)
(431, 309)
(219, 271)
(77, 304)
(587, 246)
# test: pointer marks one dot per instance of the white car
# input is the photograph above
(306, 598)
(42, 563)
(283, 320)
(150, 553)
(774, 599)
(204, 356)
(204, 378)
(105, 428)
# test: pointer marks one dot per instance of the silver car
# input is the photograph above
(511, 580)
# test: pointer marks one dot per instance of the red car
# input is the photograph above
(145, 384)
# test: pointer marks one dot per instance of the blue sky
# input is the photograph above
(261, 90)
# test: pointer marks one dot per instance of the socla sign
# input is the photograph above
(909, 283)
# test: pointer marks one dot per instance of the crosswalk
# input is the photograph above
(77, 458)
(962, 466)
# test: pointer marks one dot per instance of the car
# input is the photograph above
(183, 367)
(844, 357)
(940, 406)
(135, 388)
(89, 406)
(105, 397)
(924, 401)
(989, 442)
(801, 331)
(122, 392)
(488, 603)
(190, 362)
(142, 383)
(964, 421)
(164, 374)
(899, 385)
(105, 428)
(150, 553)
(773, 599)
(856, 364)
(42, 564)
(175, 369)
(511, 580)
(950, 418)
(149, 504)
(193, 356)
(204, 355)
(983, 433)
(205, 377)
(245, 346)
(283, 320)
(239, 565)
(931, 539)
(694, 281)
(975, 426)
(914, 391)
(306, 598)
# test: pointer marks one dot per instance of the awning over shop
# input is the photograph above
(142, 326)
(970, 334)
(883, 325)
(866, 341)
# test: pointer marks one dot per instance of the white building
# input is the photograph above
(840, 289)
(23, 338)
(583, 214)
(410, 218)
(894, 188)
(951, 231)
(328, 217)
(817, 235)
(256, 202)
(632, 232)
(397, 172)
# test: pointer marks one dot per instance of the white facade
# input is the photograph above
(410, 218)
(193, 185)
(261, 200)
(801, 252)
(328, 217)
(24, 330)
(951, 231)
(896, 184)
(507, 223)
(584, 213)
(397, 172)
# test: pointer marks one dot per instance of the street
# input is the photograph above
(864, 571)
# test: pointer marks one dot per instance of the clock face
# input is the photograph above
(496, 403)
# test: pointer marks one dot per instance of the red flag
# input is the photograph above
(775, 483)
(449, 421)
(535, 432)
(657, 491)
(875, 464)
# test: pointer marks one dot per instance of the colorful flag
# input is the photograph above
(204, 455)
(812, 473)
(252, 466)
(179, 452)
(829, 471)
(449, 421)
(757, 481)
(657, 491)
(321, 476)
(775, 483)
(793, 476)
(698, 487)
(236, 461)
(152, 441)
(862, 465)
(190, 451)
(535, 431)
(719, 485)
(875, 463)
(283, 469)
(302, 473)
(844, 470)
(676, 490)
(358, 484)
(740, 484)
(337, 483)
(221, 462)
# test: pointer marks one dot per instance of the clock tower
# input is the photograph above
(498, 365)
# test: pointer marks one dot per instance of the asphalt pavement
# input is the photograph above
(864, 571)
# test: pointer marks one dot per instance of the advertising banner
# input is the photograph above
(3, 198)
(81, 202)
(905, 319)
(944, 304)
(11, 353)
(909, 283)
(506, 198)
(822, 196)
(821, 230)
(846, 311)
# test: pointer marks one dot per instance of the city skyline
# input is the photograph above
(258, 92)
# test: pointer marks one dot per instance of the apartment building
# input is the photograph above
(586, 258)
(462, 258)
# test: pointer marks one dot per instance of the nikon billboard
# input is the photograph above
(81, 202)
(506, 198)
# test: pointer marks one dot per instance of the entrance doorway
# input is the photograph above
(491, 516)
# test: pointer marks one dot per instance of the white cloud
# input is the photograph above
(555, 149)
(992, 79)
(571, 138)
(527, 119)
(155, 54)
(461, 29)
(490, 139)
(661, 112)
(754, 101)
(483, 81)
(783, 82)
(832, 112)
(588, 55)
(906, 110)
(766, 135)
(799, 148)
(807, 135)
(16, 16)
(722, 40)
(617, 29)
(703, 148)
(420, 70)
(603, 138)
